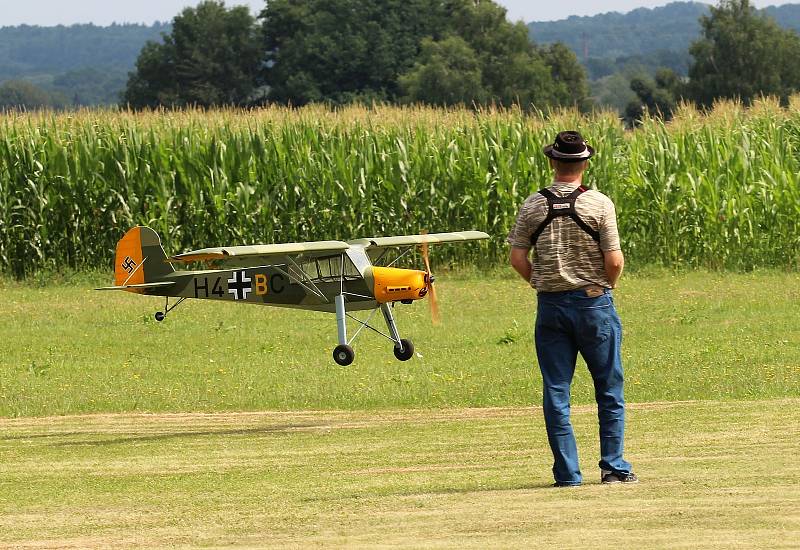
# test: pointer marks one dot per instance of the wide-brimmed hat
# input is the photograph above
(569, 147)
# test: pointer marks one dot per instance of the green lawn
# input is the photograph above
(714, 475)
(383, 453)
(65, 349)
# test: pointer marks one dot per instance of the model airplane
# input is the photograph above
(332, 276)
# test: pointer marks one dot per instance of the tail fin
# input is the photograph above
(140, 258)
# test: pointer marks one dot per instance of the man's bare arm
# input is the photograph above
(521, 263)
(614, 262)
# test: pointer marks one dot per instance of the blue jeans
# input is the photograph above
(568, 323)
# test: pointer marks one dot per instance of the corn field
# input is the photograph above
(717, 190)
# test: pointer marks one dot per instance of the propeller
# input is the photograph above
(430, 279)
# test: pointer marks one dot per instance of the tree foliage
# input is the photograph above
(445, 52)
(514, 71)
(336, 50)
(569, 76)
(22, 95)
(212, 57)
(447, 72)
(743, 54)
(658, 97)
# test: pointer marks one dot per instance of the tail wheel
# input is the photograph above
(405, 351)
(160, 316)
(343, 355)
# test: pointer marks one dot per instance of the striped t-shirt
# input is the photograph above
(566, 257)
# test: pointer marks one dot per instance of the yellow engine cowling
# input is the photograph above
(394, 285)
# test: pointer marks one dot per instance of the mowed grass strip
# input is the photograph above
(713, 475)
(65, 349)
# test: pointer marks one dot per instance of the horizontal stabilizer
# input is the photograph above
(143, 285)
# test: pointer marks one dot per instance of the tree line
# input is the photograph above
(338, 51)
(441, 52)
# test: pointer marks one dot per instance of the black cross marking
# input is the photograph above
(129, 265)
(239, 285)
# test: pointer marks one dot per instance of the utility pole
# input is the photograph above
(585, 47)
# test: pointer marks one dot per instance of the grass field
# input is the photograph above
(65, 349)
(383, 453)
(715, 475)
(231, 425)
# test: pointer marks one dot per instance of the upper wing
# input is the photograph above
(311, 249)
(410, 240)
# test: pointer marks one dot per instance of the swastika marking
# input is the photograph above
(128, 264)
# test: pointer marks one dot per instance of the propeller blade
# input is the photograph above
(425, 258)
(433, 298)
(434, 306)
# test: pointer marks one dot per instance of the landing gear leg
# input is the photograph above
(403, 349)
(161, 315)
(343, 354)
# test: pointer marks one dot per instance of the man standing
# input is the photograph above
(576, 261)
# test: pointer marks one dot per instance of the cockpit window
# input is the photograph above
(325, 270)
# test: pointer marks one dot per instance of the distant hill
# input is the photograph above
(89, 65)
(649, 37)
(86, 64)
(616, 46)
(613, 34)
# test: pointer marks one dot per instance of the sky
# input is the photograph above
(105, 12)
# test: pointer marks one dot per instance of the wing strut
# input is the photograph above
(313, 289)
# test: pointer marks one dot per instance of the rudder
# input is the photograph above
(140, 258)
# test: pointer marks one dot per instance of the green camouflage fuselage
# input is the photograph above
(265, 285)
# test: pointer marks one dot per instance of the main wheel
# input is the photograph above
(343, 355)
(406, 352)
(160, 316)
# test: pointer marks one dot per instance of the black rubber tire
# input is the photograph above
(343, 355)
(407, 351)
(160, 316)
